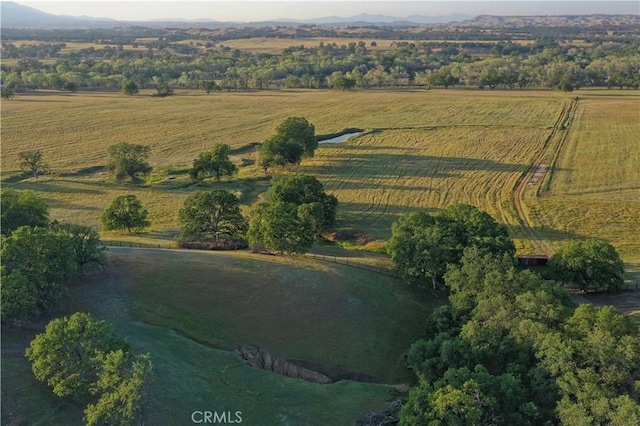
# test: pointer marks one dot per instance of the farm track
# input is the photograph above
(555, 142)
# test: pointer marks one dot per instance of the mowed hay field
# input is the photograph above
(423, 149)
(595, 187)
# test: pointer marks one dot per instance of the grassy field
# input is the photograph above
(326, 314)
(594, 190)
(421, 149)
(483, 139)
(342, 320)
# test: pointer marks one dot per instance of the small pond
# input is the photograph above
(340, 138)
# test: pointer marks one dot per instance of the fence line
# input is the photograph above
(345, 261)
(332, 259)
(111, 243)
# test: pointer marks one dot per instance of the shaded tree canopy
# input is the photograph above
(344, 83)
(215, 214)
(214, 163)
(301, 189)
(7, 92)
(22, 208)
(422, 245)
(125, 212)
(278, 227)
(19, 296)
(209, 86)
(85, 360)
(294, 139)
(512, 348)
(68, 355)
(589, 264)
(129, 87)
(46, 261)
(129, 160)
(122, 386)
(87, 247)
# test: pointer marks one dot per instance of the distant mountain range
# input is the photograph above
(15, 15)
(18, 16)
(381, 19)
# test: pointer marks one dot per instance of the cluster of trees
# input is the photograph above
(548, 62)
(295, 139)
(511, 347)
(423, 245)
(39, 259)
(296, 209)
(295, 212)
(84, 360)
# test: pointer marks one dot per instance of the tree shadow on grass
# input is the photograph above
(409, 165)
(556, 235)
(57, 186)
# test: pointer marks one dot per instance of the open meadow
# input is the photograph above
(593, 186)
(422, 149)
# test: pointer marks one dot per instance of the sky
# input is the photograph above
(261, 10)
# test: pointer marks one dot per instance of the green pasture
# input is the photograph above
(189, 309)
(329, 315)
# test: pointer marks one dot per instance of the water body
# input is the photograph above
(340, 138)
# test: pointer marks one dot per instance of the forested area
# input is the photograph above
(510, 348)
(162, 59)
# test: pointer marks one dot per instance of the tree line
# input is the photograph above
(544, 63)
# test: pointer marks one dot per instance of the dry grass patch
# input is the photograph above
(595, 188)
(423, 149)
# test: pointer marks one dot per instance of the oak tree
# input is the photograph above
(125, 212)
(32, 162)
(212, 215)
(44, 258)
(129, 160)
(22, 208)
(301, 189)
(87, 247)
(294, 139)
(589, 264)
(278, 227)
(69, 355)
(214, 163)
